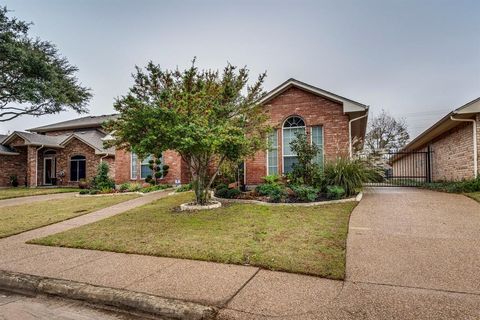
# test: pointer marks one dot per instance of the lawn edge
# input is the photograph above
(124, 300)
(51, 223)
(37, 195)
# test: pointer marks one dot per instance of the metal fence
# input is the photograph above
(403, 169)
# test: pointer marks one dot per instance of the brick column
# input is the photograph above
(31, 166)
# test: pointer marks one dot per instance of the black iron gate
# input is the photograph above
(403, 168)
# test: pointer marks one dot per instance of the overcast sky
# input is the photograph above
(416, 59)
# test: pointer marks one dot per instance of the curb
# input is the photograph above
(103, 296)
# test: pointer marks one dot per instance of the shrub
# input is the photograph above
(272, 179)
(464, 186)
(83, 184)
(155, 188)
(133, 187)
(124, 187)
(222, 191)
(233, 193)
(335, 192)
(305, 193)
(276, 192)
(102, 180)
(94, 191)
(107, 190)
(184, 188)
(349, 174)
(305, 169)
(84, 191)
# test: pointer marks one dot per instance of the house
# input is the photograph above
(451, 145)
(66, 152)
(331, 121)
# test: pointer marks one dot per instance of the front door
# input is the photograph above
(49, 171)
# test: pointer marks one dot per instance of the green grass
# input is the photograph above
(309, 240)
(9, 193)
(474, 196)
(20, 218)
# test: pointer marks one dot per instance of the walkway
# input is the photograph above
(411, 255)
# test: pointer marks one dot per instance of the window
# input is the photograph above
(272, 153)
(145, 170)
(317, 139)
(78, 168)
(133, 167)
(291, 127)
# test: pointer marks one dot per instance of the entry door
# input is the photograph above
(49, 169)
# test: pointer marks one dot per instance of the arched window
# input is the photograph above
(291, 126)
(78, 168)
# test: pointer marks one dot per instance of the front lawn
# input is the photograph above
(25, 192)
(20, 218)
(308, 240)
(474, 196)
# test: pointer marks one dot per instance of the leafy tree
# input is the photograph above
(206, 116)
(34, 78)
(305, 170)
(386, 134)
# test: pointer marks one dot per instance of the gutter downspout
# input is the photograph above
(103, 157)
(350, 147)
(36, 165)
(475, 148)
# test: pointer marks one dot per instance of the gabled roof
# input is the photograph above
(6, 151)
(80, 123)
(92, 138)
(445, 124)
(36, 139)
(348, 104)
(2, 137)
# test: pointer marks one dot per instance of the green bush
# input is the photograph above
(350, 174)
(157, 187)
(305, 193)
(84, 191)
(465, 186)
(124, 187)
(94, 191)
(272, 179)
(134, 187)
(222, 191)
(276, 192)
(184, 188)
(335, 192)
(102, 180)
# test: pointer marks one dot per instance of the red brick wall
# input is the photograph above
(13, 165)
(316, 111)
(170, 158)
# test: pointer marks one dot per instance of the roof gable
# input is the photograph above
(348, 105)
(79, 123)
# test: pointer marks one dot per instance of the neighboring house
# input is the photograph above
(66, 152)
(453, 146)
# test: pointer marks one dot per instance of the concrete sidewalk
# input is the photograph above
(389, 231)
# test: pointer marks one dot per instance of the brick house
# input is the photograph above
(66, 152)
(453, 145)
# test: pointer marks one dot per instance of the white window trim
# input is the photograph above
(131, 166)
(283, 145)
(268, 164)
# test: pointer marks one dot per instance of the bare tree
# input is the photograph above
(386, 134)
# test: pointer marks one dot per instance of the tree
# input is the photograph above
(206, 116)
(386, 134)
(34, 78)
(306, 169)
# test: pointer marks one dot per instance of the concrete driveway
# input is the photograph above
(415, 238)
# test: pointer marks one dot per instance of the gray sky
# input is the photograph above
(416, 59)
